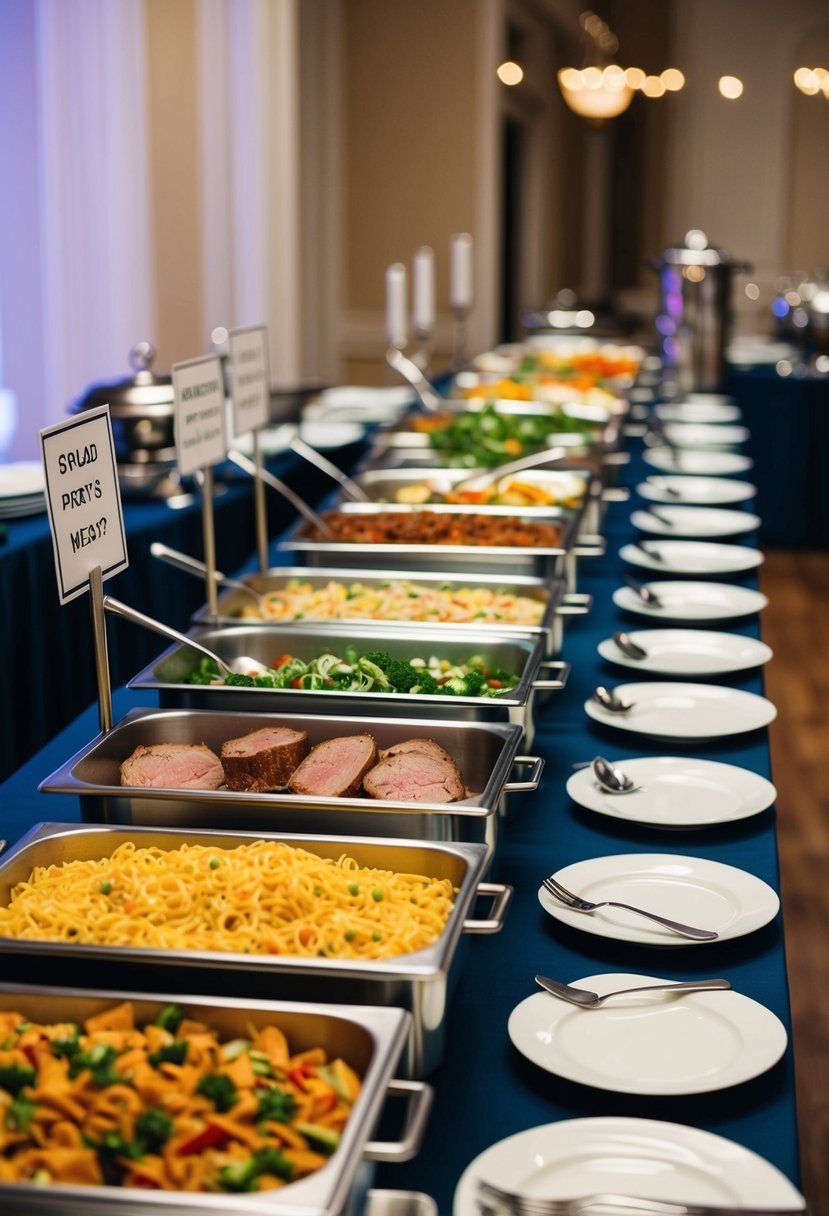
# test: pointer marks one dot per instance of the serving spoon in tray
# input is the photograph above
(192, 565)
(243, 665)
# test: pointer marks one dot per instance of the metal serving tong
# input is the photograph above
(494, 1201)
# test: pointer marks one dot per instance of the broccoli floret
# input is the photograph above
(425, 684)
(402, 676)
(220, 1089)
(154, 1128)
(170, 1018)
(474, 682)
(278, 1104)
(379, 658)
(173, 1053)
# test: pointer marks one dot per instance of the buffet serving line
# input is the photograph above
(657, 1095)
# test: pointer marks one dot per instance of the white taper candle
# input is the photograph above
(460, 292)
(397, 328)
(423, 303)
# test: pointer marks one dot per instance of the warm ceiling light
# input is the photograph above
(672, 79)
(731, 87)
(635, 77)
(807, 81)
(592, 93)
(653, 86)
(510, 73)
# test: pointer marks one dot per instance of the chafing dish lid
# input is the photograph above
(144, 394)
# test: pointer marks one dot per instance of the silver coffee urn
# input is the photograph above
(695, 313)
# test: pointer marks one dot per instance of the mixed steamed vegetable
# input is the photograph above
(374, 671)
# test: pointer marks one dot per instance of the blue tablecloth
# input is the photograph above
(485, 1089)
(788, 417)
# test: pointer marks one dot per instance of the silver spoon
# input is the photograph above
(611, 701)
(660, 483)
(627, 646)
(611, 778)
(645, 594)
(479, 481)
(665, 520)
(192, 565)
(352, 489)
(247, 466)
(592, 1000)
(427, 394)
(243, 665)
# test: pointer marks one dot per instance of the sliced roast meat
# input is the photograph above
(264, 759)
(176, 766)
(428, 746)
(335, 768)
(415, 776)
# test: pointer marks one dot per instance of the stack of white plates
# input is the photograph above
(22, 486)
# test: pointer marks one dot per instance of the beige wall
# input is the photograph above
(175, 186)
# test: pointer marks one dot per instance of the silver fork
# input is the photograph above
(494, 1201)
(585, 905)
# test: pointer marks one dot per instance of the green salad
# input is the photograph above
(486, 438)
(374, 671)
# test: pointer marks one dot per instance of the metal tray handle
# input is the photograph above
(519, 787)
(501, 897)
(3, 844)
(590, 546)
(419, 1097)
(559, 681)
(575, 603)
(399, 1203)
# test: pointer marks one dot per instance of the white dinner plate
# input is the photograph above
(698, 411)
(705, 434)
(692, 890)
(695, 521)
(692, 460)
(649, 1043)
(683, 600)
(677, 793)
(669, 710)
(689, 652)
(692, 557)
(698, 491)
(643, 1157)
(21, 479)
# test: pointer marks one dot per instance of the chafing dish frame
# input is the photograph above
(558, 603)
(487, 754)
(545, 562)
(419, 982)
(370, 1038)
(522, 654)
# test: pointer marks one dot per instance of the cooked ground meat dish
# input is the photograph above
(440, 528)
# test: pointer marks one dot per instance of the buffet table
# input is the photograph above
(485, 1090)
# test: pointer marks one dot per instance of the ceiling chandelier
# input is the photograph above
(600, 89)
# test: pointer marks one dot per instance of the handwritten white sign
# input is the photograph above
(83, 499)
(250, 379)
(200, 422)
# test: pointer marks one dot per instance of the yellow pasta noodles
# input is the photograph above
(263, 897)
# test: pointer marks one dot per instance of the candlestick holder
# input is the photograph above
(460, 335)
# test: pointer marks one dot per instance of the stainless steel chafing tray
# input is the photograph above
(370, 1039)
(484, 753)
(384, 483)
(522, 655)
(604, 432)
(419, 982)
(233, 606)
(502, 561)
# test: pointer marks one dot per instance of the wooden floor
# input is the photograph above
(797, 681)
